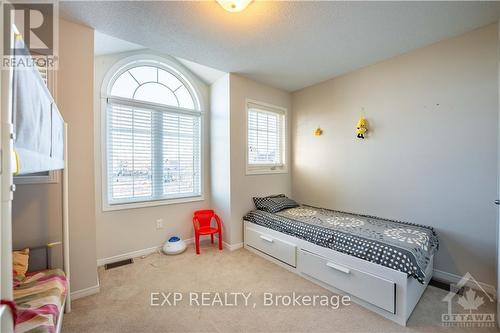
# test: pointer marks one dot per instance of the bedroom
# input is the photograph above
(385, 110)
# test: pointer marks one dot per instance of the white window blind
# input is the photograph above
(43, 70)
(41, 63)
(153, 136)
(266, 140)
(152, 154)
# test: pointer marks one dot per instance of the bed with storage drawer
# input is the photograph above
(383, 265)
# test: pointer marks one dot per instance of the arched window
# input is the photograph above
(153, 135)
(151, 83)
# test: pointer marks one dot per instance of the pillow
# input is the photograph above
(20, 261)
(274, 203)
(259, 200)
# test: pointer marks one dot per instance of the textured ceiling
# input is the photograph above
(106, 44)
(289, 45)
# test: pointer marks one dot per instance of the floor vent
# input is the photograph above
(446, 286)
(119, 263)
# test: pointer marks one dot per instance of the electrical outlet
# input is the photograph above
(159, 224)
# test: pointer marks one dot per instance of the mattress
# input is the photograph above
(401, 246)
(39, 300)
(38, 125)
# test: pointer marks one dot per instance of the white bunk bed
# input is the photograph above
(34, 138)
(38, 125)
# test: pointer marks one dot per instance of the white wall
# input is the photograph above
(125, 231)
(220, 162)
(228, 136)
(431, 153)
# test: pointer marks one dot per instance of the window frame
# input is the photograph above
(189, 82)
(264, 169)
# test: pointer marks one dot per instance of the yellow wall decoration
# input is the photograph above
(318, 132)
(362, 127)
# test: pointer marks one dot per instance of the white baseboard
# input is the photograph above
(85, 292)
(128, 255)
(148, 251)
(232, 247)
(453, 278)
(135, 254)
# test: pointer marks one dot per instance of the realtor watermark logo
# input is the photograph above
(468, 309)
(247, 299)
(30, 33)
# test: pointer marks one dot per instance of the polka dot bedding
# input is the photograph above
(402, 246)
(274, 204)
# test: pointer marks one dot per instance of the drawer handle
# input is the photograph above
(338, 267)
(267, 239)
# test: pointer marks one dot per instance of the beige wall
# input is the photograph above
(124, 231)
(36, 215)
(75, 91)
(431, 153)
(244, 187)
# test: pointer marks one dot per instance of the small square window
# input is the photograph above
(266, 140)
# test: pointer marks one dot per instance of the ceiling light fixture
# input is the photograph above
(234, 6)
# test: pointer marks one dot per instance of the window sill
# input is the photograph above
(145, 204)
(265, 171)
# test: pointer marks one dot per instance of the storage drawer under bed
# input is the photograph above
(366, 286)
(271, 245)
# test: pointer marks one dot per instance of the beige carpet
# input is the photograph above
(123, 305)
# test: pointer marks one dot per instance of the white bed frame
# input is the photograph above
(390, 293)
(7, 189)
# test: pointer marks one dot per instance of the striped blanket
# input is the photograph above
(39, 299)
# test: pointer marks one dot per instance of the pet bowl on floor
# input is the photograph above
(174, 245)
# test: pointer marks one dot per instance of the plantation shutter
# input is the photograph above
(41, 65)
(43, 72)
(152, 154)
(265, 136)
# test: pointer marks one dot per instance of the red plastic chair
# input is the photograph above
(202, 220)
